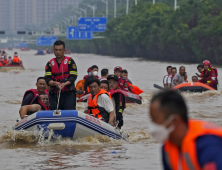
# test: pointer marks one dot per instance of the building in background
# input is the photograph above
(17, 15)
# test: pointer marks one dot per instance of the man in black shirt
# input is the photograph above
(31, 94)
(60, 74)
(118, 97)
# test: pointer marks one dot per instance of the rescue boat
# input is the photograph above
(11, 68)
(193, 87)
(68, 124)
(130, 98)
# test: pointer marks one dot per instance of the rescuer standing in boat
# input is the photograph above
(209, 75)
(60, 75)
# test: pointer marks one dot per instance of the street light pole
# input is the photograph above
(106, 2)
(135, 2)
(127, 7)
(153, 1)
(93, 8)
(84, 10)
(114, 8)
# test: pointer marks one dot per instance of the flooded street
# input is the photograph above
(29, 151)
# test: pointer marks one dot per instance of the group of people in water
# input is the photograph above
(106, 100)
(207, 75)
(8, 60)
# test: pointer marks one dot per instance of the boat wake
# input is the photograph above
(37, 138)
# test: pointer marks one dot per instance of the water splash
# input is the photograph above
(38, 138)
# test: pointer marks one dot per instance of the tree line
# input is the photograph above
(192, 33)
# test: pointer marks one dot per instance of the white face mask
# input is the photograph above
(160, 132)
(95, 73)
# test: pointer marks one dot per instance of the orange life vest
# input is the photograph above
(5, 61)
(134, 89)
(95, 110)
(15, 59)
(187, 157)
(80, 87)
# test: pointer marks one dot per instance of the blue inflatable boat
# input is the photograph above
(68, 123)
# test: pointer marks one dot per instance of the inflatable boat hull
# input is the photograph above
(68, 123)
(11, 68)
(193, 87)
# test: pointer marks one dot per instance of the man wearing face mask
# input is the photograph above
(94, 74)
(187, 144)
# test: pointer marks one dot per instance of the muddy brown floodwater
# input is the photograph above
(19, 150)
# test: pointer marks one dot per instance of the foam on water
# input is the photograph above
(13, 102)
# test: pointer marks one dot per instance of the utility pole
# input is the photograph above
(153, 2)
(135, 2)
(84, 10)
(114, 8)
(127, 7)
(106, 2)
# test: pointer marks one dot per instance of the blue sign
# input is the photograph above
(46, 40)
(92, 24)
(23, 45)
(73, 33)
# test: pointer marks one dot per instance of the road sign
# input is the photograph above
(92, 24)
(23, 45)
(73, 33)
(46, 40)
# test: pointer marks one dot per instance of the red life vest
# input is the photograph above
(61, 73)
(122, 84)
(209, 76)
(115, 91)
(37, 100)
(35, 93)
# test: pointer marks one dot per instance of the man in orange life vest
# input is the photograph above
(15, 60)
(99, 103)
(60, 74)
(32, 93)
(187, 144)
(209, 75)
(118, 97)
(5, 60)
(41, 103)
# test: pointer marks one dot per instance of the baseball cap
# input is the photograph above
(112, 76)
